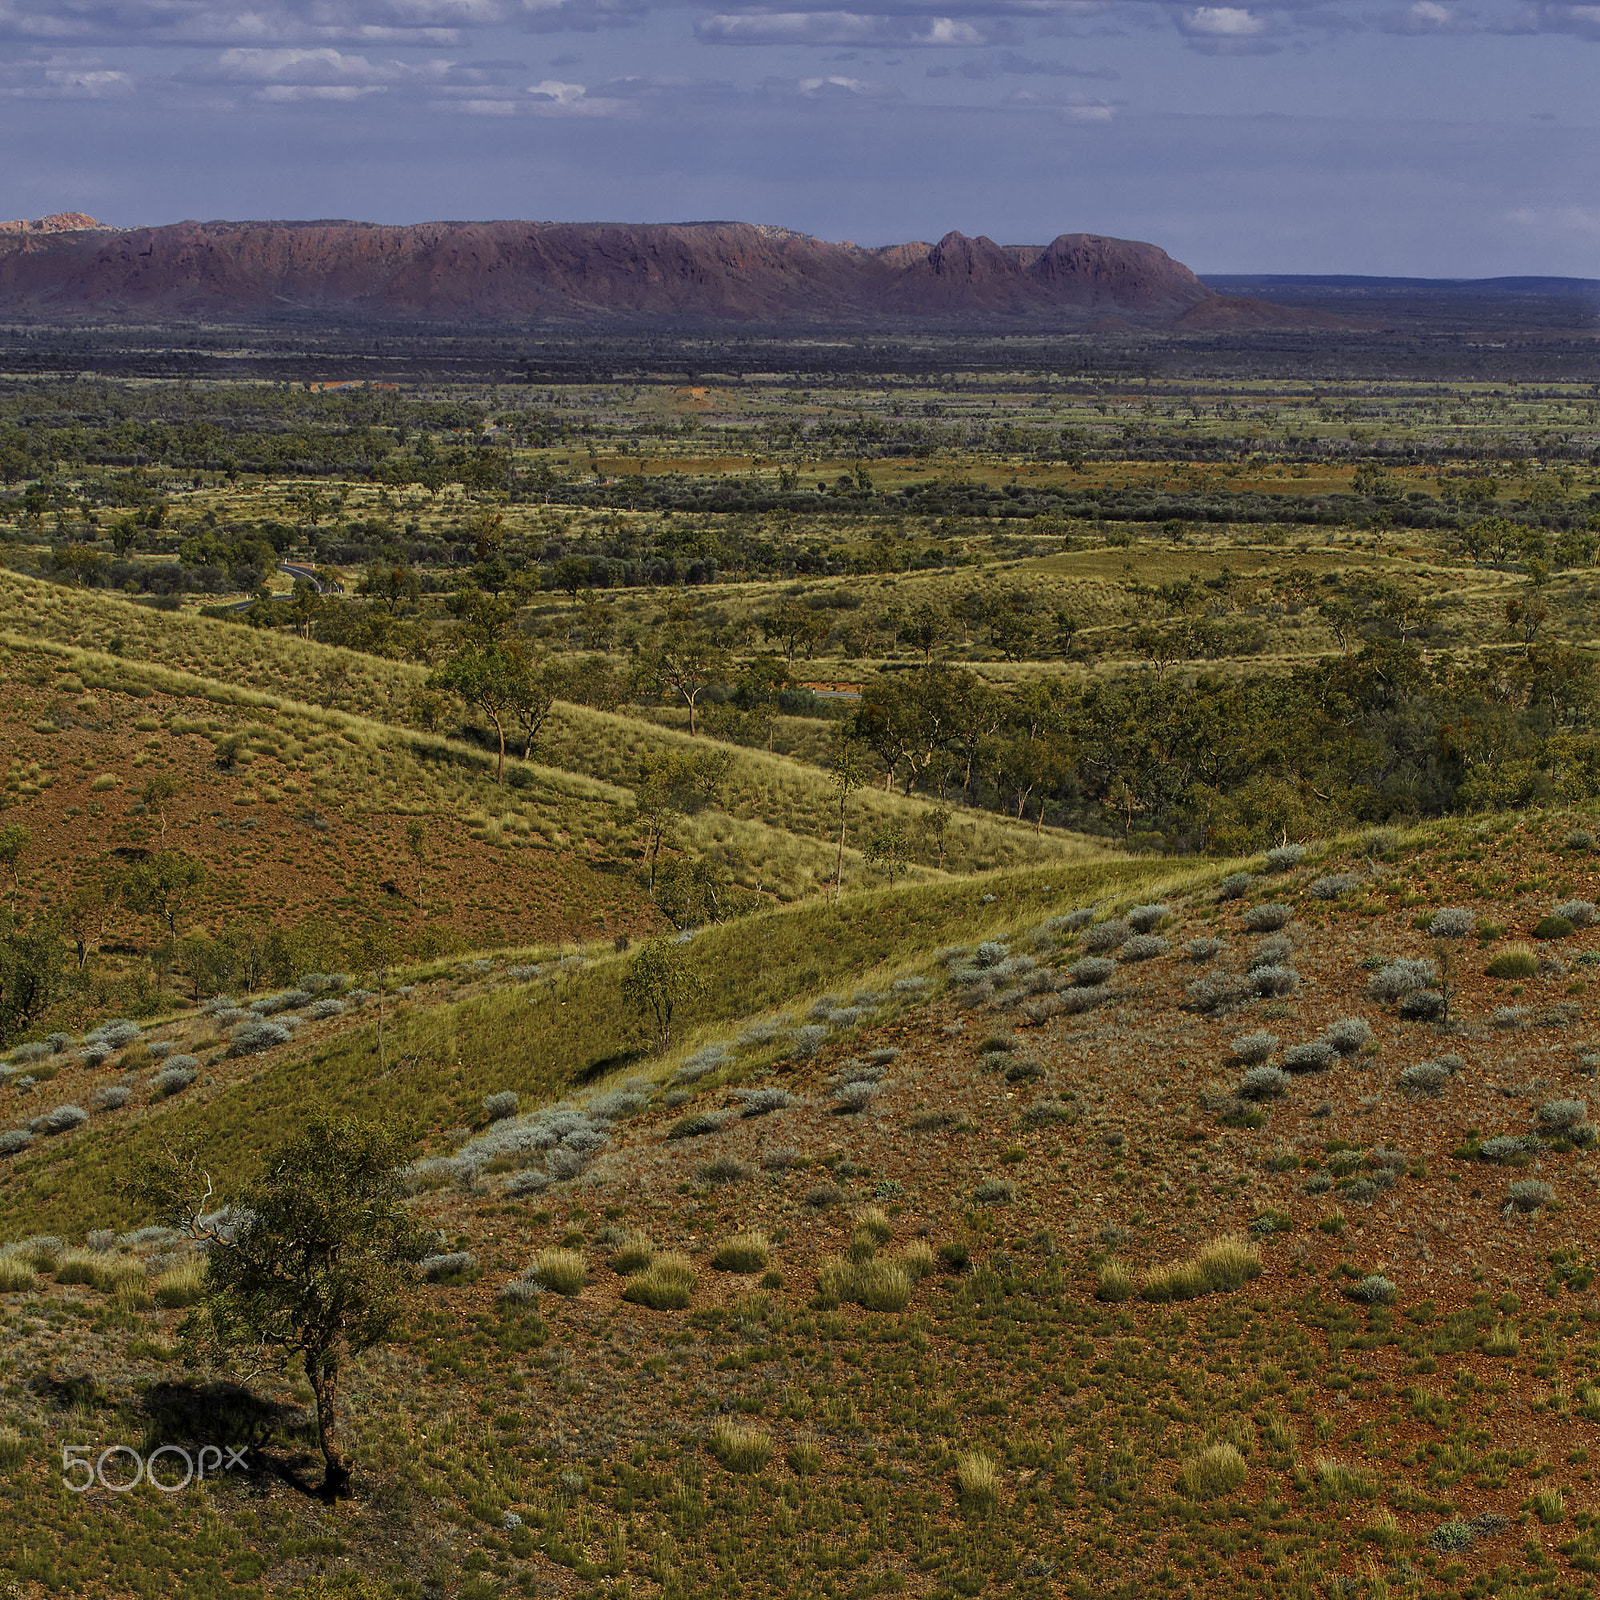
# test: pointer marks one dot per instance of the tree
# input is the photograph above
(158, 790)
(311, 1263)
(89, 911)
(849, 773)
(533, 693)
(374, 950)
(166, 887)
(925, 627)
(14, 840)
(795, 626)
(683, 664)
(936, 822)
(659, 981)
(886, 848)
(491, 681)
(570, 574)
(391, 582)
(671, 787)
(30, 977)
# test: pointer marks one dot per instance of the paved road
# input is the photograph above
(299, 573)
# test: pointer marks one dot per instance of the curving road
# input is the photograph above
(299, 573)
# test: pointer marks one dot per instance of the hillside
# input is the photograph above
(956, 1362)
(596, 272)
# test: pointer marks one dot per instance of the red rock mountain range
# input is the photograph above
(71, 268)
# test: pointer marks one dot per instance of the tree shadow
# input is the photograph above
(231, 1417)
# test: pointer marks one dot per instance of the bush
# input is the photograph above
(1453, 923)
(1262, 1083)
(322, 1010)
(562, 1271)
(1144, 947)
(1426, 1077)
(806, 1041)
(1235, 886)
(1402, 977)
(1146, 919)
(738, 1447)
(1111, 934)
(1217, 1470)
(1422, 1005)
(1203, 949)
(763, 1102)
(743, 1252)
(1506, 1147)
(822, 1195)
(1558, 1116)
(1272, 982)
(1254, 1048)
(1209, 995)
(251, 1038)
(181, 1285)
(114, 1035)
(452, 1265)
(696, 1125)
(1373, 1290)
(995, 1191)
(665, 1285)
(171, 1079)
(1091, 971)
(1580, 913)
(1515, 961)
(633, 1254)
(1116, 1282)
(1333, 885)
(855, 1095)
(288, 1000)
(1316, 1055)
(1551, 927)
(977, 1482)
(1348, 1036)
(14, 1140)
(62, 1120)
(111, 1098)
(1285, 858)
(880, 1285)
(1225, 1264)
(1528, 1194)
(501, 1104)
(16, 1273)
(1509, 1017)
(725, 1169)
(1267, 917)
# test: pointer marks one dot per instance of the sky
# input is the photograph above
(1401, 137)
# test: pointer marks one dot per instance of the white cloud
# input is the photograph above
(62, 77)
(1223, 22)
(1580, 222)
(848, 28)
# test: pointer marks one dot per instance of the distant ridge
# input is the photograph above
(71, 268)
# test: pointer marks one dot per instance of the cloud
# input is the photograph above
(849, 28)
(1222, 22)
(1571, 222)
(836, 88)
(1011, 63)
(1069, 107)
(1584, 21)
(62, 77)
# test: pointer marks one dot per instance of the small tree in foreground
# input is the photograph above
(659, 981)
(310, 1264)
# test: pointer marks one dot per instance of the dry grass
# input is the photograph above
(743, 1252)
(667, 1284)
(560, 1271)
(738, 1447)
(1217, 1470)
(1225, 1264)
(977, 1482)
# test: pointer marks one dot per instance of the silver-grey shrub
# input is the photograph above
(1454, 922)
(855, 1095)
(1144, 947)
(1528, 1194)
(14, 1140)
(1315, 1055)
(990, 953)
(1235, 886)
(1146, 919)
(763, 1102)
(1273, 951)
(251, 1038)
(1074, 1002)
(501, 1104)
(111, 1098)
(1422, 1005)
(1401, 977)
(1209, 995)
(1559, 1115)
(1580, 913)
(808, 1039)
(1348, 1036)
(1254, 1048)
(614, 1105)
(1332, 885)
(116, 1035)
(1285, 857)
(1267, 917)
(1108, 935)
(1091, 970)
(1507, 1146)
(1373, 1290)
(26, 1054)
(170, 1080)
(1274, 982)
(161, 1048)
(322, 1010)
(909, 986)
(62, 1120)
(95, 1055)
(1262, 1083)
(450, 1265)
(1204, 948)
(1425, 1077)
(271, 1004)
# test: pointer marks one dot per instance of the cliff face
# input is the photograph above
(70, 268)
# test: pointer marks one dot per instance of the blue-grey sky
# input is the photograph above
(1381, 136)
